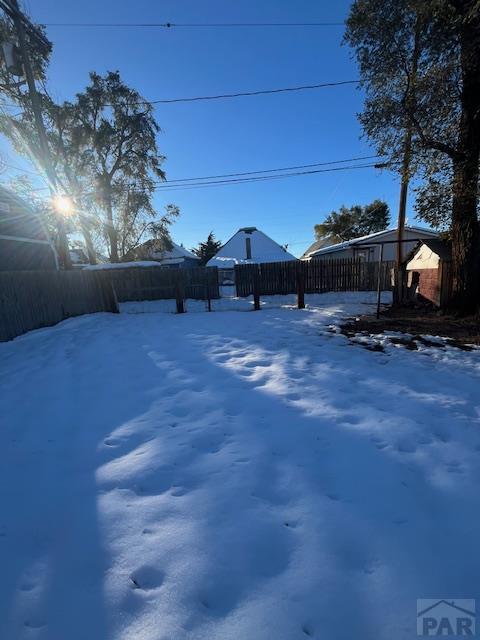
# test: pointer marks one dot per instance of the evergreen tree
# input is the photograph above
(207, 249)
(353, 222)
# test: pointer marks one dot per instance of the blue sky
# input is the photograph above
(237, 135)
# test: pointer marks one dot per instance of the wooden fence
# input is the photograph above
(314, 276)
(34, 299)
(154, 283)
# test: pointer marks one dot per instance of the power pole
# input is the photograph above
(407, 157)
(18, 20)
(402, 207)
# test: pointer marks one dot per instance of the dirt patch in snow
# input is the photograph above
(419, 324)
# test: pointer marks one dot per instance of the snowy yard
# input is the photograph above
(233, 475)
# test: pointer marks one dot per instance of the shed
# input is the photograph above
(428, 271)
(24, 241)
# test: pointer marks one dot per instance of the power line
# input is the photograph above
(222, 96)
(306, 87)
(252, 179)
(251, 173)
(191, 25)
(196, 185)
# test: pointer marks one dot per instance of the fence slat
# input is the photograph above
(34, 299)
(319, 276)
(154, 283)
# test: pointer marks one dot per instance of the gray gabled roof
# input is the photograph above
(373, 237)
(315, 246)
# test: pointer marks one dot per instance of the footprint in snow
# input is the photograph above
(370, 568)
(405, 446)
(178, 491)
(34, 623)
(333, 496)
(293, 397)
(111, 442)
(180, 412)
(147, 578)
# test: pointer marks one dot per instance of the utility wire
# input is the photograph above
(190, 25)
(260, 92)
(223, 96)
(164, 186)
(233, 181)
(251, 173)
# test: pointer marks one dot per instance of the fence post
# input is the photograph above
(256, 289)
(179, 293)
(300, 286)
(379, 281)
(207, 293)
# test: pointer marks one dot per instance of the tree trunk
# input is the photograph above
(87, 236)
(110, 228)
(465, 238)
(465, 228)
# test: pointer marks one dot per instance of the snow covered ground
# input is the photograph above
(233, 475)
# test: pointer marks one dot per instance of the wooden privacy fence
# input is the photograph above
(154, 283)
(34, 299)
(314, 276)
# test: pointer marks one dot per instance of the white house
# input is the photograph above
(247, 246)
(368, 247)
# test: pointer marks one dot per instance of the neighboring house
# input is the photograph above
(367, 247)
(177, 257)
(247, 246)
(24, 241)
(315, 246)
(79, 258)
(136, 264)
(428, 271)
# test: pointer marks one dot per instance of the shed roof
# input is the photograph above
(442, 248)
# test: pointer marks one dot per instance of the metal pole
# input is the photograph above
(379, 281)
(42, 136)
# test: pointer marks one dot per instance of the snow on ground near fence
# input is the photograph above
(233, 475)
(365, 301)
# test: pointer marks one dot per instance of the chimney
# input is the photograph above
(248, 248)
